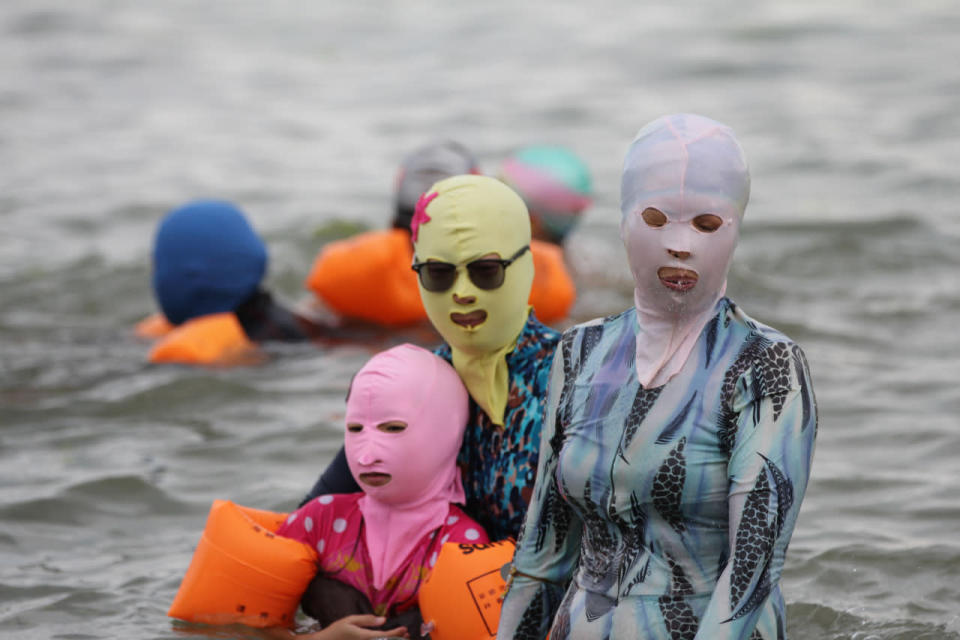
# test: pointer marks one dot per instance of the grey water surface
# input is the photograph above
(112, 112)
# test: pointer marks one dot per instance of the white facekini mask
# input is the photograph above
(684, 189)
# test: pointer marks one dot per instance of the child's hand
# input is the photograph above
(356, 628)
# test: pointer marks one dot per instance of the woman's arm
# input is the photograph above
(359, 627)
(356, 628)
(549, 544)
(768, 471)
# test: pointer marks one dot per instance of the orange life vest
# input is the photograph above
(368, 277)
(153, 327)
(216, 339)
(241, 572)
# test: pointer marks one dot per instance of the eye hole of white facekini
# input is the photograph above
(654, 217)
(707, 222)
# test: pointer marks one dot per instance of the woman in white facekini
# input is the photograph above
(678, 437)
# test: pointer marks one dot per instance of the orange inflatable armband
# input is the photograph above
(241, 572)
(153, 327)
(462, 595)
(216, 339)
(553, 291)
(369, 277)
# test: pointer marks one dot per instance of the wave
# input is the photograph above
(813, 621)
(84, 502)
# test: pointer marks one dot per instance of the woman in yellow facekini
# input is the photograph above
(471, 239)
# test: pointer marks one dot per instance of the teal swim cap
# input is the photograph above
(554, 182)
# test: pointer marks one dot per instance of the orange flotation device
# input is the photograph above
(216, 339)
(368, 277)
(153, 327)
(463, 594)
(553, 291)
(241, 572)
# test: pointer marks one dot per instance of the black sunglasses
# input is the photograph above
(486, 273)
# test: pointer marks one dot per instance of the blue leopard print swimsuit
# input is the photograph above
(665, 513)
(499, 465)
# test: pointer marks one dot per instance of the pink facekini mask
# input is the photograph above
(411, 385)
(691, 170)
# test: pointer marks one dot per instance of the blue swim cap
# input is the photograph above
(206, 259)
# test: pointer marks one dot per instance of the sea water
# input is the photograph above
(113, 112)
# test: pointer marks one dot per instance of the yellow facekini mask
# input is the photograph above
(459, 221)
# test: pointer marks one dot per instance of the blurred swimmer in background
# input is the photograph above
(367, 277)
(557, 188)
(208, 271)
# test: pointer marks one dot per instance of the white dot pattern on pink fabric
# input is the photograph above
(308, 523)
(444, 539)
(320, 545)
(339, 525)
(452, 520)
(433, 558)
(292, 517)
(471, 534)
(325, 499)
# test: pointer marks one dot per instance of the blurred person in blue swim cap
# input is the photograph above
(208, 260)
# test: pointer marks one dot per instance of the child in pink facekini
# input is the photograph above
(405, 418)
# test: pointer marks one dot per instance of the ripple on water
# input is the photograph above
(85, 502)
(886, 580)
(809, 621)
(108, 465)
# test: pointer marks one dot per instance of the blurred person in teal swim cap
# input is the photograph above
(556, 186)
(554, 183)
